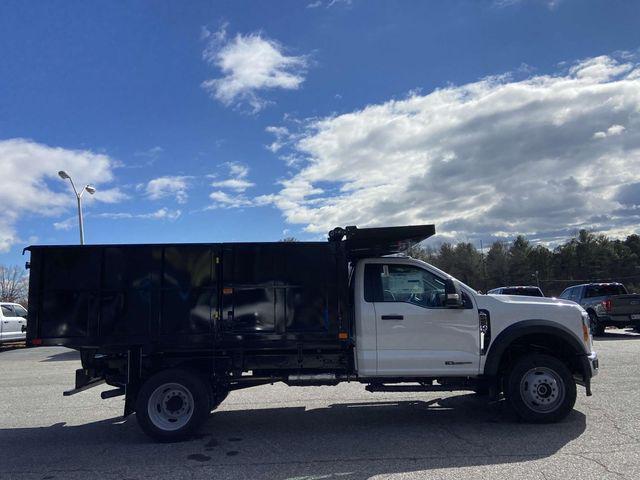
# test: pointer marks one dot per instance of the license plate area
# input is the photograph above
(635, 316)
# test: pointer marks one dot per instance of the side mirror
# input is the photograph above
(453, 295)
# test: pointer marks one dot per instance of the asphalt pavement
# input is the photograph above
(317, 433)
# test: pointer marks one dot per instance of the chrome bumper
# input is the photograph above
(593, 363)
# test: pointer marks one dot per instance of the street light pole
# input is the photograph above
(88, 188)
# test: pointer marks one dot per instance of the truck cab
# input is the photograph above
(405, 326)
(408, 328)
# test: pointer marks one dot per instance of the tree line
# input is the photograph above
(587, 257)
(14, 285)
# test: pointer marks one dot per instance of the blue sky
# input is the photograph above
(246, 120)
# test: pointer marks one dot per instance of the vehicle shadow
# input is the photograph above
(346, 440)
(63, 356)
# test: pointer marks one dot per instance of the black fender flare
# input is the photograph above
(528, 327)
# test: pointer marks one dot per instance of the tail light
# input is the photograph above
(607, 305)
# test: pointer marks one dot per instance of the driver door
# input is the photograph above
(416, 334)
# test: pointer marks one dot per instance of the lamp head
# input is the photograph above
(90, 189)
(63, 175)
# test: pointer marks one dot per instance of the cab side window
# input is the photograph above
(7, 311)
(403, 283)
(575, 296)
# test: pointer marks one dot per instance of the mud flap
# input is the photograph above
(130, 400)
(134, 367)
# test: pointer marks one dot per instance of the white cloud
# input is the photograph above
(329, 3)
(237, 182)
(551, 4)
(67, 223)
(224, 200)
(168, 186)
(152, 152)
(250, 64)
(108, 195)
(237, 178)
(146, 158)
(283, 138)
(160, 214)
(491, 157)
(612, 131)
(32, 185)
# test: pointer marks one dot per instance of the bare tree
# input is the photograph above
(13, 284)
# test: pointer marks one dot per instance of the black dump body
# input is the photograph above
(249, 297)
(189, 295)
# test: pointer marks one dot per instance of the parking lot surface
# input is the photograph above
(314, 433)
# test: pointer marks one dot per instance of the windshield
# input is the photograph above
(446, 275)
(605, 290)
(527, 291)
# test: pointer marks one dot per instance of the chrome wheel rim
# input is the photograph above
(170, 406)
(542, 390)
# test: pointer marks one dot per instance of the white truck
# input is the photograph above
(13, 322)
(174, 328)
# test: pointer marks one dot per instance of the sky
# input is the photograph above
(254, 121)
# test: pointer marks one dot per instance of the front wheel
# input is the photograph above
(172, 404)
(541, 389)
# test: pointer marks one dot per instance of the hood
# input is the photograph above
(531, 300)
(522, 302)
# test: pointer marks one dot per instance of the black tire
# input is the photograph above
(536, 379)
(192, 398)
(597, 330)
(217, 397)
(481, 390)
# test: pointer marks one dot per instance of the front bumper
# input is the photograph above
(590, 367)
(618, 320)
(592, 358)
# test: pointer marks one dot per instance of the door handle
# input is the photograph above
(392, 317)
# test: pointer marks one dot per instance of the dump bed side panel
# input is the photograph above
(95, 296)
(281, 296)
(288, 290)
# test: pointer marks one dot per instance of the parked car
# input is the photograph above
(13, 322)
(174, 328)
(528, 290)
(608, 305)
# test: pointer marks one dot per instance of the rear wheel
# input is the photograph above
(172, 405)
(541, 389)
(217, 397)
